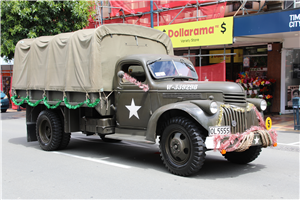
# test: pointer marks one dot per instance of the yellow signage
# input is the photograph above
(237, 58)
(200, 33)
(268, 123)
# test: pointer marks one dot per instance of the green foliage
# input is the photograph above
(29, 19)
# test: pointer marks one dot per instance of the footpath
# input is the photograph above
(283, 122)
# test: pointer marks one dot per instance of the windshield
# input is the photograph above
(164, 69)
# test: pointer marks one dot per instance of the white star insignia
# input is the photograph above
(133, 109)
(256, 140)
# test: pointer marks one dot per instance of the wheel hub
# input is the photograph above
(179, 147)
(175, 146)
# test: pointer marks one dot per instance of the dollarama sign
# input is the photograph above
(200, 33)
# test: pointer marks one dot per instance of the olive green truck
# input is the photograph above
(122, 82)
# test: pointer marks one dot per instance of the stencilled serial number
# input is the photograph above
(182, 87)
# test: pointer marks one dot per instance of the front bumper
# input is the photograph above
(256, 136)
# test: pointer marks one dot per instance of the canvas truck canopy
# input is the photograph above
(84, 60)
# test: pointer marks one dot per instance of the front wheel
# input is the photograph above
(182, 147)
(243, 157)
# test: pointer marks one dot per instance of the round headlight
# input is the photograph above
(213, 107)
(263, 105)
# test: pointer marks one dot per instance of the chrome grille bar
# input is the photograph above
(233, 129)
(239, 116)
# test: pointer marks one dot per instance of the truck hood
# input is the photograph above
(203, 86)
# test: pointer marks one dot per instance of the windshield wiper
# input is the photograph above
(151, 62)
(188, 65)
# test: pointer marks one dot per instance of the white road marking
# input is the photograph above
(94, 160)
(291, 144)
(295, 143)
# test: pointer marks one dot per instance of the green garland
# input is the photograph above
(49, 106)
(73, 107)
(45, 100)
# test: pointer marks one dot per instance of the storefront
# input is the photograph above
(6, 72)
(266, 46)
(281, 31)
(190, 39)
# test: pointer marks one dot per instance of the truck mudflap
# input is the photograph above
(255, 136)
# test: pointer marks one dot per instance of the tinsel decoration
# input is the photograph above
(45, 100)
(134, 81)
(239, 139)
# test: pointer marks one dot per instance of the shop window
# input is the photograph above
(292, 76)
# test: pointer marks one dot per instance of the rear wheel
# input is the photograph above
(182, 147)
(64, 141)
(243, 157)
(49, 130)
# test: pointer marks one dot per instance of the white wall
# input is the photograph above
(291, 43)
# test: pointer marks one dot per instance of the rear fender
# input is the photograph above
(189, 108)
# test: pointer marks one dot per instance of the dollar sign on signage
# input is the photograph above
(269, 124)
(223, 27)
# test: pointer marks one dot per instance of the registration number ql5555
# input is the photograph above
(219, 130)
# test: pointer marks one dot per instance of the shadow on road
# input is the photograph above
(145, 156)
(23, 141)
(217, 167)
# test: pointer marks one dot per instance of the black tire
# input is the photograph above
(65, 140)
(49, 130)
(243, 157)
(182, 147)
(104, 139)
(3, 110)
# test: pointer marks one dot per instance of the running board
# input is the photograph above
(132, 138)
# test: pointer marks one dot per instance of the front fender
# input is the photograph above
(191, 108)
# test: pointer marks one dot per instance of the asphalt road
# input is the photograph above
(92, 169)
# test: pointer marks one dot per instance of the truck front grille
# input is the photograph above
(239, 119)
(233, 117)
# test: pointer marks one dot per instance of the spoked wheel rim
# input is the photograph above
(45, 131)
(178, 147)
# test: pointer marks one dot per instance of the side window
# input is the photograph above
(134, 71)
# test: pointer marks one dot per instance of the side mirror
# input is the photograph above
(120, 74)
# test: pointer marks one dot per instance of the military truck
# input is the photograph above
(122, 82)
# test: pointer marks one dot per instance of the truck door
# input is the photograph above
(132, 103)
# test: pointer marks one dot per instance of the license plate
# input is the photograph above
(219, 130)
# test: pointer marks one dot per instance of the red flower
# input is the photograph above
(272, 80)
